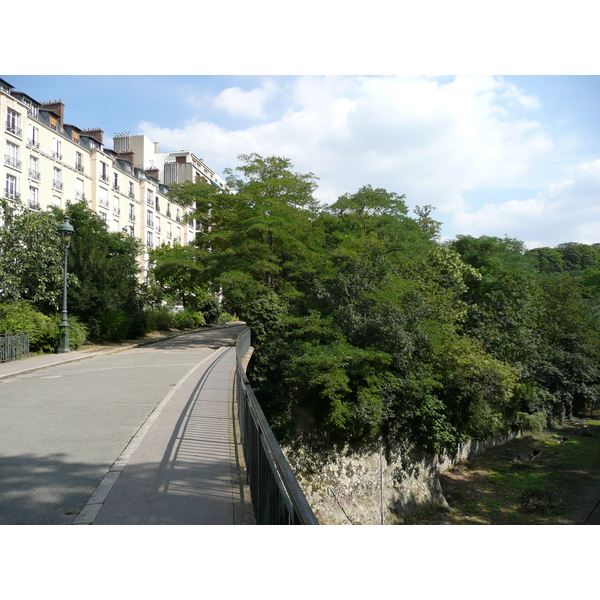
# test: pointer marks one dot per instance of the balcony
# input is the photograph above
(14, 130)
(79, 168)
(116, 210)
(103, 202)
(131, 218)
(132, 195)
(13, 162)
(57, 185)
(57, 156)
(33, 144)
(10, 194)
(34, 205)
(35, 175)
(104, 178)
(115, 187)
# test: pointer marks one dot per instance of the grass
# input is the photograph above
(546, 478)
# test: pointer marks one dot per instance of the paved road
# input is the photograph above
(62, 428)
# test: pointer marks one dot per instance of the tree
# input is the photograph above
(31, 257)
(105, 272)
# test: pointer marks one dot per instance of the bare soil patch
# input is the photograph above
(547, 478)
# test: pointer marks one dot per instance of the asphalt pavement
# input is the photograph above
(145, 435)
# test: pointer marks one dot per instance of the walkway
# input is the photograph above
(182, 466)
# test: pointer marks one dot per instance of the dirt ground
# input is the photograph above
(547, 478)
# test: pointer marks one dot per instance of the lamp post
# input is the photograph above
(66, 231)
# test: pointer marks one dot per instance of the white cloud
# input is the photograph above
(431, 139)
(565, 211)
(241, 103)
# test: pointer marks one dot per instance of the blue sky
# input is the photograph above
(496, 155)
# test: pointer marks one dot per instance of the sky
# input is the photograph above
(515, 156)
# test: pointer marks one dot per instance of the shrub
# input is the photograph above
(44, 331)
(115, 325)
(159, 319)
(211, 310)
(189, 319)
(535, 422)
(226, 318)
(78, 332)
(20, 316)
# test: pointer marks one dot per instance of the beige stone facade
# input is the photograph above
(48, 162)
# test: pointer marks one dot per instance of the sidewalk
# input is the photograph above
(186, 468)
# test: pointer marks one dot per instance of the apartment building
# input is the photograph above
(48, 162)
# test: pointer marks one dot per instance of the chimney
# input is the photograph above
(96, 133)
(58, 108)
(153, 172)
(129, 155)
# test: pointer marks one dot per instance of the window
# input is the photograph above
(103, 171)
(132, 212)
(116, 209)
(11, 158)
(149, 198)
(103, 197)
(79, 161)
(131, 190)
(11, 187)
(34, 169)
(55, 201)
(56, 149)
(79, 189)
(149, 239)
(116, 181)
(34, 136)
(150, 218)
(13, 122)
(57, 179)
(33, 198)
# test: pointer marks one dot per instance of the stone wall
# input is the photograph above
(360, 486)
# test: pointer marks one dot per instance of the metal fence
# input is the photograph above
(14, 346)
(276, 495)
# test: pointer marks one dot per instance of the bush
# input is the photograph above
(20, 317)
(44, 331)
(227, 318)
(159, 319)
(211, 310)
(189, 319)
(535, 422)
(115, 325)
(78, 332)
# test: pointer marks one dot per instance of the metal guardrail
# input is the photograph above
(14, 346)
(276, 495)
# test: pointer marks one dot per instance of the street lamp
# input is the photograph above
(66, 231)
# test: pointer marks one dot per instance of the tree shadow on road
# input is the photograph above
(45, 490)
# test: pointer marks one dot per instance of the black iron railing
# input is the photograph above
(277, 498)
(14, 347)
